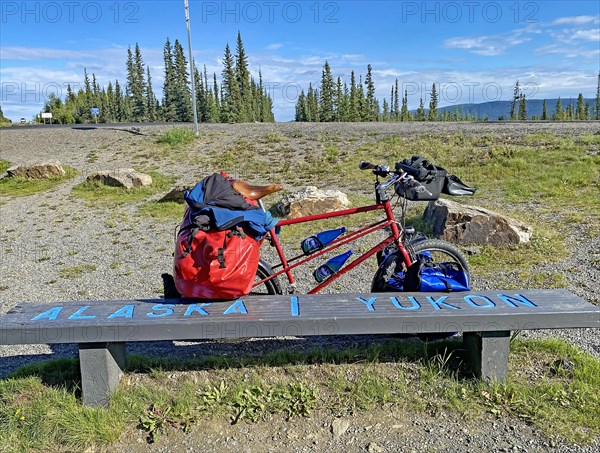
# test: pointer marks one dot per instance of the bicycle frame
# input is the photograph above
(287, 266)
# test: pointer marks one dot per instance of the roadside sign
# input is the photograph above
(46, 115)
(95, 111)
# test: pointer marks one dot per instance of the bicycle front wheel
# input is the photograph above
(434, 251)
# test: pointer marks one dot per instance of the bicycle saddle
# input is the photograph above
(251, 192)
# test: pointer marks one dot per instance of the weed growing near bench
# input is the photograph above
(552, 385)
(163, 211)
(177, 137)
(76, 271)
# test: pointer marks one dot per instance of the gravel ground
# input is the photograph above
(49, 231)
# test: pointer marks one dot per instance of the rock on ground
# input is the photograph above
(310, 201)
(463, 224)
(125, 177)
(36, 171)
(175, 195)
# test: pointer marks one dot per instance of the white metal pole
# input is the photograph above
(187, 21)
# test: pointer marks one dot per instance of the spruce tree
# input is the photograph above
(201, 109)
(151, 110)
(580, 113)
(569, 111)
(216, 112)
(118, 101)
(183, 102)
(396, 107)
(346, 103)
(169, 108)
(339, 101)
(230, 90)
(516, 96)
(312, 105)
(362, 102)
(558, 112)
(433, 103)
(421, 111)
(135, 84)
(301, 108)
(372, 110)
(404, 113)
(522, 108)
(386, 111)
(353, 113)
(597, 104)
(326, 112)
(587, 112)
(544, 111)
(243, 80)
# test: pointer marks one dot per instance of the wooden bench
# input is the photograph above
(103, 328)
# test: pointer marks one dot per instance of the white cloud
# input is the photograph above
(275, 46)
(568, 51)
(492, 45)
(593, 34)
(576, 20)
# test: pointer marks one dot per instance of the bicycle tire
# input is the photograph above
(270, 287)
(442, 250)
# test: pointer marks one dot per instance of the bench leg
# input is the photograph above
(101, 367)
(487, 354)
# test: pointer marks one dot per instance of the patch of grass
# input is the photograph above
(165, 211)
(274, 137)
(99, 193)
(177, 137)
(76, 271)
(551, 385)
(22, 187)
(4, 165)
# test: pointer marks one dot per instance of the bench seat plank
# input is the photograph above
(301, 315)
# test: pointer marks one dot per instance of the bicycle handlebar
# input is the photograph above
(399, 177)
(380, 170)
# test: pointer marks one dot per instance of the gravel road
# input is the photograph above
(44, 233)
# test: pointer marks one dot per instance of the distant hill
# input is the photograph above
(495, 109)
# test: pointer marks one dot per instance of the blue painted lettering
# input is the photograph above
(512, 301)
(415, 304)
(51, 314)
(237, 307)
(125, 312)
(197, 309)
(158, 307)
(369, 303)
(295, 306)
(78, 314)
(437, 304)
(488, 302)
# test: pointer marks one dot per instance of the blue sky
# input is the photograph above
(472, 50)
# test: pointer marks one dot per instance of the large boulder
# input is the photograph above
(310, 201)
(468, 225)
(124, 177)
(36, 171)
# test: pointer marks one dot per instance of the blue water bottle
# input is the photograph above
(331, 267)
(320, 240)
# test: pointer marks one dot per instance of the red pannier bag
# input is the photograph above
(214, 264)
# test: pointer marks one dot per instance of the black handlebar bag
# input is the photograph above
(428, 175)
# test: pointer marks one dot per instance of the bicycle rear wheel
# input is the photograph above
(268, 288)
